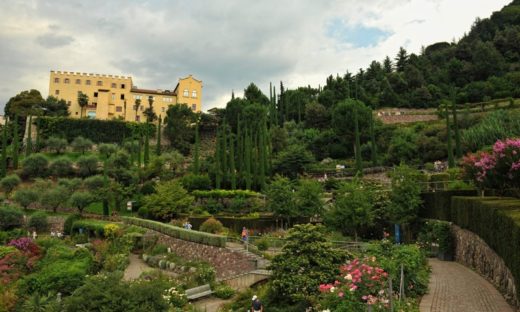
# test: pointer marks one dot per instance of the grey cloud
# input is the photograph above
(50, 40)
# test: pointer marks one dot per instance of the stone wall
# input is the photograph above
(56, 223)
(473, 252)
(226, 262)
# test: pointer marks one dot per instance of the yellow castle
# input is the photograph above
(115, 97)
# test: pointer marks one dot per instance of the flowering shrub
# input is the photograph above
(28, 248)
(499, 169)
(111, 230)
(175, 297)
(361, 282)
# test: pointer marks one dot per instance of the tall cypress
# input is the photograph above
(247, 150)
(28, 148)
(158, 146)
(240, 150)
(37, 140)
(146, 157)
(218, 169)
(196, 157)
(223, 152)
(232, 167)
(359, 162)
(275, 104)
(261, 157)
(3, 164)
(373, 144)
(451, 160)
(458, 148)
(15, 143)
(139, 150)
(105, 184)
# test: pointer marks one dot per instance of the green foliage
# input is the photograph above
(436, 232)
(94, 183)
(90, 227)
(96, 130)
(81, 199)
(80, 144)
(23, 104)
(56, 144)
(437, 205)
(179, 130)
(354, 207)
(180, 233)
(9, 183)
(280, 197)
(308, 198)
(495, 126)
(38, 221)
(87, 165)
(193, 182)
(36, 165)
(212, 225)
(10, 218)
(25, 197)
(224, 193)
(405, 195)
(223, 291)
(54, 197)
(69, 221)
(61, 167)
(169, 199)
(306, 261)
(292, 161)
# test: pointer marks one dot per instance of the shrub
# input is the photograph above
(180, 233)
(94, 183)
(71, 185)
(143, 213)
(38, 221)
(81, 199)
(61, 167)
(80, 144)
(54, 197)
(9, 183)
(90, 227)
(87, 165)
(205, 274)
(34, 166)
(224, 291)
(106, 150)
(169, 200)
(111, 230)
(25, 197)
(262, 244)
(10, 218)
(67, 225)
(212, 225)
(224, 193)
(159, 249)
(193, 182)
(57, 144)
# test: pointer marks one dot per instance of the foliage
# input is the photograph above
(61, 167)
(497, 125)
(87, 165)
(308, 198)
(306, 259)
(223, 291)
(38, 221)
(224, 193)
(180, 233)
(292, 161)
(405, 195)
(57, 144)
(94, 183)
(80, 144)
(90, 227)
(35, 165)
(25, 197)
(280, 197)
(438, 233)
(179, 130)
(10, 218)
(81, 199)
(111, 230)
(69, 221)
(354, 207)
(193, 182)
(96, 130)
(169, 199)
(9, 183)
(212, 225)
(107, 149)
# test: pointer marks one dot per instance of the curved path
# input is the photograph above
(455, 288)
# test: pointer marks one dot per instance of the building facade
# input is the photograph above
(115, 97)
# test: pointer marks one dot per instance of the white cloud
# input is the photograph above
(227, 44)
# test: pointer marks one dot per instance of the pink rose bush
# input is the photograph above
(361, 283)
(499, 169)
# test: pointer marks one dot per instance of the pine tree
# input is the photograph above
(15, 143)
(158, 146)
(359, 162)
(196, 156)
(28, 148)
(451, 160)
(3, 164)
(373, 144)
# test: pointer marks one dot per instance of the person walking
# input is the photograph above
(256, 305)
(244, 234)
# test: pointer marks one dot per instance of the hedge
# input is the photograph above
(224, 193)
(180, 233)
(91, 227)
(437, 205)
(497, 221)
(98, 131)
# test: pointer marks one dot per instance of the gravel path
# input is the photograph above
(455, 288)
(135, 268)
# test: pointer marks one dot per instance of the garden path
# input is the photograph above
(135, 268)
(455, 288)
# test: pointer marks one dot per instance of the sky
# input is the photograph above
(225, 43)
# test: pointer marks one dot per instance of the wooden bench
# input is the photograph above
(198, 292)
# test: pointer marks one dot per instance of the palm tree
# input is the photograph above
(82, 101)
(149, 113)
(137, 104)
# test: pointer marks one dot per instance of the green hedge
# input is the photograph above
(99, 131)
(497, 221)
(91, 227)
(437, 205)
(180, 233)
(224, 193)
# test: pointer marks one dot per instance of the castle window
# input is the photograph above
(57, 92)
(119, 109)
(122, 97)
(87, 82)
(137, 118)
(113, 85)
(56, 80)
(67, 80)
(122, 86)
(100, 83)
(186, 93)
(78, 81)
(95, 94)
(193, 107)
(194, 94)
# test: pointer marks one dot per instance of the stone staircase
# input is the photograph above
(261, 262)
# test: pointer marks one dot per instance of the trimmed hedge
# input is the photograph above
(98, 131)
(91, 227)
(224, 193)
(180, 233)
(437, 205)
(497, 221)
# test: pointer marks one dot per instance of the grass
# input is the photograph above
(97, 208)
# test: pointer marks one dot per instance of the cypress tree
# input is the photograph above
(15, 143)
(158, 146)
(196, 157)
(275, 104)
(218, 174)
(146, 157)
(359, 162)
(458, 148)
(223, 151)
(247, 154)
(232, 167)
(3, 164)
(28, 148)
(37, 140)
(373, 144)
(451, 160)
(105, 184)
(139, 149)
(240, 150)
(261, 157)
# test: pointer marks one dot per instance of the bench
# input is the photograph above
(198, 292)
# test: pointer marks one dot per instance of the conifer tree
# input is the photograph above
(37, 142)
(196, 156)
(261, 158)
(3, 164)
(158, 146)
(218, 169)
(15, 143)
(146, 157)
(373, 144)
(28, 148)
(232, 167)
(240, 149)
(139, 150)
(451, 160)
(223, 152)
(359, 163)
(458, 149)
(247, 150)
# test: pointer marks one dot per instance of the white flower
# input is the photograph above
(348, 277)
(332, 289)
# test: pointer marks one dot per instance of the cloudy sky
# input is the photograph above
(225, 43)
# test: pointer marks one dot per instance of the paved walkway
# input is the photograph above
(455, 288)
(135, 268)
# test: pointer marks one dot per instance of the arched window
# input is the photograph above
(67, 80)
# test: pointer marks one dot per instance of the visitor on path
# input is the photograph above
(256, 305)
(244, 234)
(34, 235)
